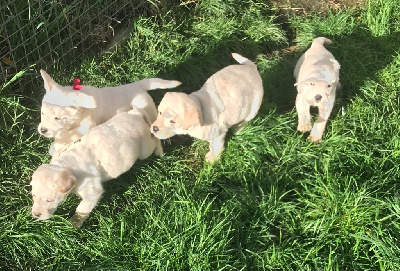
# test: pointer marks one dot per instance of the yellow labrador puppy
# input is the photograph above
(232, 96)
(67, 114)
(317, 78)
(104, 153)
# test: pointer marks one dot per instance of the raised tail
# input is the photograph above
(241, 59)
(321, 41)
(154, 83)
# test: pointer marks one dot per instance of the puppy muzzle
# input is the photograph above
(318, 98)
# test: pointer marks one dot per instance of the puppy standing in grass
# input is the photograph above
(317, 78)
(104, 153)
(232, 96)
(67, 114)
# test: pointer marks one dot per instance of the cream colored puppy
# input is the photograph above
(232, 96)
(317, 78)
(68, 114)
(104, 153)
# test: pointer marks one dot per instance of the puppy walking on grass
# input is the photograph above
(67, 113)
(104, 153)
(317, 78)
(232, 96)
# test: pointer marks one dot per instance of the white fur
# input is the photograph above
(68, 114)
(317, 78)
(104, 153)
(232, 96)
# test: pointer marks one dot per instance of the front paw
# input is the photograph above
(210, 157)
(77, 219)
(315, 139)
(304, 127)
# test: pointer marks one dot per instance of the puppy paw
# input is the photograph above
(210, 157)
(77, 219)
(315, 139)
(304, 127)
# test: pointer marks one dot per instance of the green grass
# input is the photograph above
(274, 201)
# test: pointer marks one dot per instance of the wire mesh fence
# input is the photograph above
(47, 34)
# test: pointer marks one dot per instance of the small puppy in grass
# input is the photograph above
(317, 78)
(104, 153)
(67, 113)
(232, 96)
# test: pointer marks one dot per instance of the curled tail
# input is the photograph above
(321, 41)
(154, 83)
(241, 59)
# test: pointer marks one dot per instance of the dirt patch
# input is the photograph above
(304, 6)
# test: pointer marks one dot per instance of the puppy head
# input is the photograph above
(316, 92)
(50, 186)
(177, 113)
(55, 118)
(61, 106)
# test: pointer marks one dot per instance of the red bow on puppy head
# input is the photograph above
(76, 85)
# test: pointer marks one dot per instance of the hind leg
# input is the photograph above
(239, 127)
(253, 113)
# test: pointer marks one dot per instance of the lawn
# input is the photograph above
(274, 201)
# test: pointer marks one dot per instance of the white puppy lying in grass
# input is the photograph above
(104, 153)
(317, 78)
(67, 114)
(232, 96)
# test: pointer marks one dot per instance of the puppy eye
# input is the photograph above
(328, 86)
(42, 113)
(172, 121)
(57, 118)
(167, 115)
(160, 113)
(312, 84)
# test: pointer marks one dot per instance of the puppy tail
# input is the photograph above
(154, 83)
(241, 59)
(321, 41)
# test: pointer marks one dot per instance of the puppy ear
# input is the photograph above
(65, 181)
(299, 87)
(191, 116)
(302, 85)
(49, 83)
(82, 100)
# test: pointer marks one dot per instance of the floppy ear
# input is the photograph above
(81, 99)
(191, 116)
(65, 181)
(49, 83)
(302, 85)
(299, 87)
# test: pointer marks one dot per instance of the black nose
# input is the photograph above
(155, 129)
(43, 130)
(37, 214)
(318, 97)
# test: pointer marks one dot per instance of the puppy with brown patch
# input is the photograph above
(104, 153)
(232, 96)
(68, 114)
(317, 78)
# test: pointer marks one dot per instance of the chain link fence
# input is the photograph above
(44, 34)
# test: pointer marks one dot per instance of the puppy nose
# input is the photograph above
(155, 129)
(36, 214)
(43, 130)
(318, 97)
